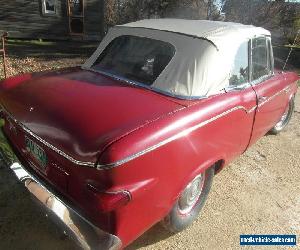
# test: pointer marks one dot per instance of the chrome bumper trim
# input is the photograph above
(85, 234)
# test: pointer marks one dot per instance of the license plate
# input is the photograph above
(35, 150)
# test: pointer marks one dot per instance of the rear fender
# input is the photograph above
(200, 169)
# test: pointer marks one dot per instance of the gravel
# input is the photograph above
(259, 193)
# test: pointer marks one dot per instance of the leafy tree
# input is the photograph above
(122, 11)
(279, 16)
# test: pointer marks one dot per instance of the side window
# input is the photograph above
(260, 58)
(240, 70)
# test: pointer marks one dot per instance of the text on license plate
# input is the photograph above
(36, 151)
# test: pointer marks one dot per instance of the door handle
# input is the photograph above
(262, 99)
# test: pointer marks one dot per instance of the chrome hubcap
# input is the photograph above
(191, 194)
(283, 119)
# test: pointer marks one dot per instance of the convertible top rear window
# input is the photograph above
(135, 58)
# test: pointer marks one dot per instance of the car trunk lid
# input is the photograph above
(79, 112)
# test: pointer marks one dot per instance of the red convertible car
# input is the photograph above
(135, 135)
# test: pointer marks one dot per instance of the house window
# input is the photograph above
(49, 7)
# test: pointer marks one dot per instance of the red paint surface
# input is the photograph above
(74, 111)
(92, 117)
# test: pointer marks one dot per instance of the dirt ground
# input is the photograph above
(259, 193)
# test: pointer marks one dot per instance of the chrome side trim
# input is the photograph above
(89, 185)
(252, 109)
(47, 144)
(82, 163)
(286, 90)
(174, 137)
(136, 155)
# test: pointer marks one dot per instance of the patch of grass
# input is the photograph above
(40, 42)
(296, 46)
(5, 146)
(30, 42)
(297, 70)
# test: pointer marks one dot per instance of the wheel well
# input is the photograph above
(219, 166)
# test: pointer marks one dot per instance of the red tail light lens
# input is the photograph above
(108, 201)
(111, 201)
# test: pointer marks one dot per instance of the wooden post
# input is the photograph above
(3, 52)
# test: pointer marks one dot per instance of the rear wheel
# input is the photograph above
(284, 119)
(190, 202)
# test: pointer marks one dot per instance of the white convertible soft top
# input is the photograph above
(205, 52)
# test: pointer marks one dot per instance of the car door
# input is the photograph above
(244, 97)
(271, 101)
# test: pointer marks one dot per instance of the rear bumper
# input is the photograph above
(78, 228)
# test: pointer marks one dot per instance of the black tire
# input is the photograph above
(176, 220)
(284, 119)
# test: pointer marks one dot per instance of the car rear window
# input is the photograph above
(135, 58)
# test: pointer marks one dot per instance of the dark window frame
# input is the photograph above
(47, 12)
(270, 61)
(120, 76)
(246, 83)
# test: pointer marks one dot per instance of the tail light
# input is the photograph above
(107, 201)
